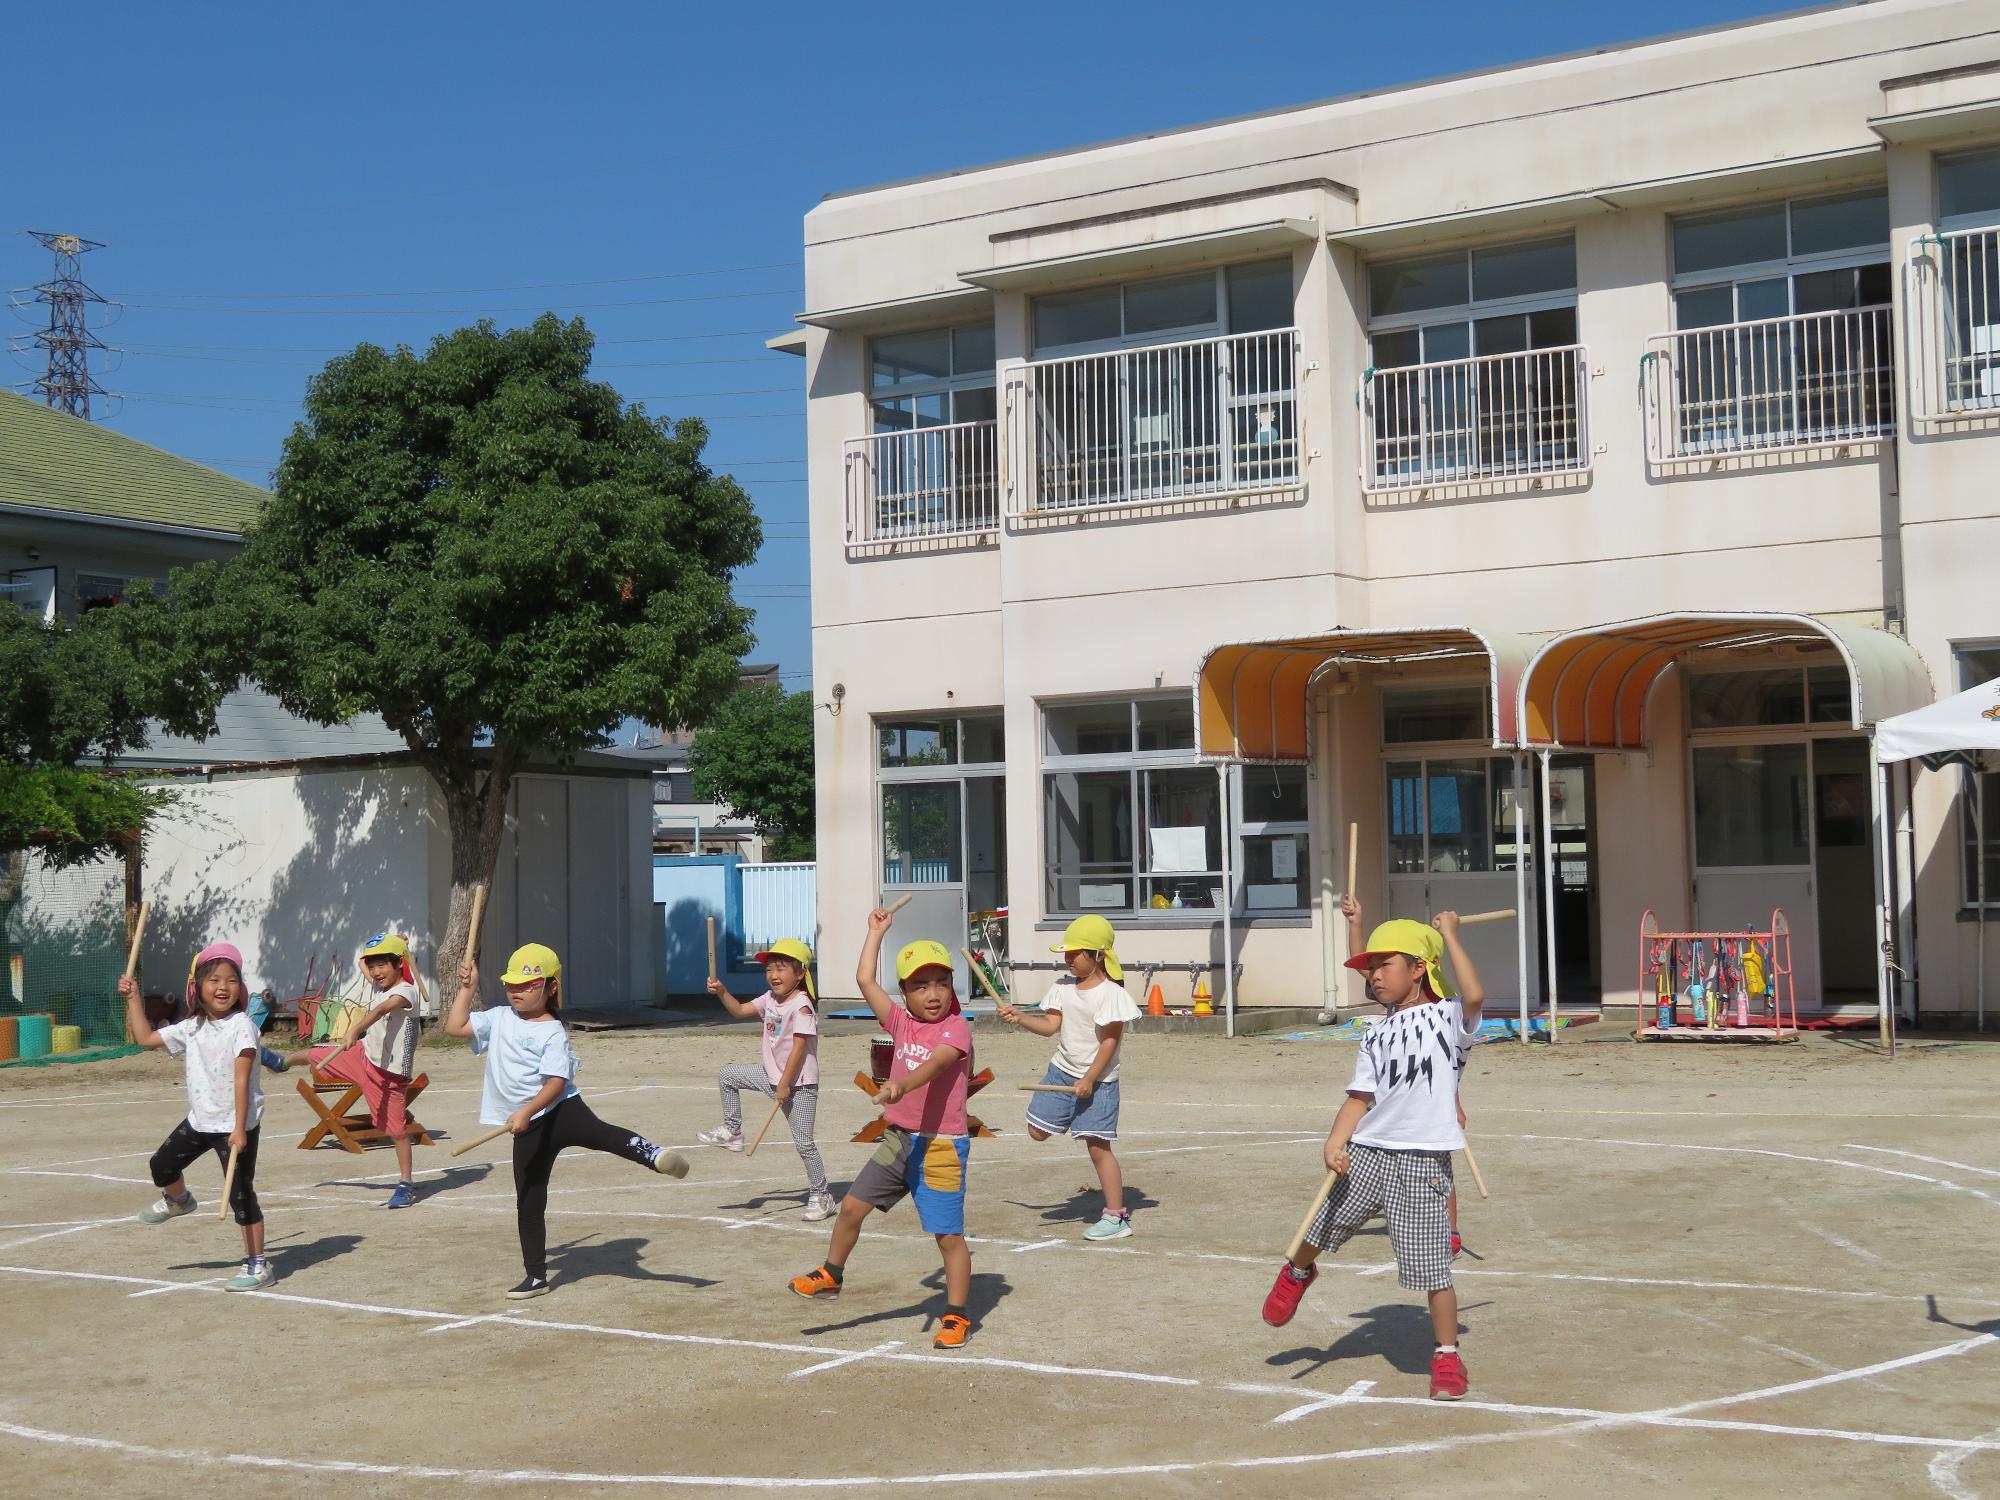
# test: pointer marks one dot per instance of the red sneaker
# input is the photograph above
(1448, 1378)
(1285, 1294)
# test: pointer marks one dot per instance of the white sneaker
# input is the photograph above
(820, 1206)
(164, 1208)
(723, 1136)
(255, 1275)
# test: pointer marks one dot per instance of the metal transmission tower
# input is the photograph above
(68, 339)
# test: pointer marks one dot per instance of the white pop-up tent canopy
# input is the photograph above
(1963, 731)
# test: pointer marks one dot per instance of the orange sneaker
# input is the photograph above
(818, 1282)
(952, 1332)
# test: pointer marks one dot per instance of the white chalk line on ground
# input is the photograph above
(1943, 1471)
(845, 1359)
(51, 1234)
(1828, 1161)
(1936, 1161)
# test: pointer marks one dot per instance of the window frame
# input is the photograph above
(1221, 325)
(1790, 267)
(949, 386)
(958, 765)
(1472, 311)
(1985, 218)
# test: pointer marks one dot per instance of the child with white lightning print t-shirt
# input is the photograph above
(1392, 1140)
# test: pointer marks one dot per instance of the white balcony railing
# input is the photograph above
(1953, 324)
(1770, 386)
(921, 484)
(1498, 417)
(1166, 423)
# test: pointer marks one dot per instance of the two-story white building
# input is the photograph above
(1577, 457)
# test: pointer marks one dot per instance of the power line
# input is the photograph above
(67, 340)
(464, 291)
(648, 338)
(454, 312)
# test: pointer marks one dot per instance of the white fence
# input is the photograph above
(923, 483)
(1770, 386)
(779, 901)
(1165, 423)
(1953, 324)
(1497, 417)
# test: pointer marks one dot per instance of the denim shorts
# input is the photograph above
(1065, 1114)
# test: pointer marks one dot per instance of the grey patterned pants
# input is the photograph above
(1409, 1189)
(799, 1114)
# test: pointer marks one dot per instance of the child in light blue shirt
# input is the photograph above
(531, 1089)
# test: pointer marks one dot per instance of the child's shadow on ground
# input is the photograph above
(447, 1179)
(790, 1198)
(580, 1261)
(287, 1259)
(1086, 1205)
(986, 1293)
(1990, 1326)
(1397, 1332)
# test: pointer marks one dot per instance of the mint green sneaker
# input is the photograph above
(1111, 1227)
(164, 1208)
(255, 1275)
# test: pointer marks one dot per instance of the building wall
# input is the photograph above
(1892, 534)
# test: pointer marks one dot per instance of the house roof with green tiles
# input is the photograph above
(54, 462)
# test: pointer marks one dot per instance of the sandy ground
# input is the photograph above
(1703, 1270)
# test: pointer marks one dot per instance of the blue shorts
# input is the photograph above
(1065, 1114)
(928, 1169)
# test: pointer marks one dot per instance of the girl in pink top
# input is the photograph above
(924, 1150)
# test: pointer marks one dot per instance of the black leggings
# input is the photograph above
(186, 1146)
(568, 1123)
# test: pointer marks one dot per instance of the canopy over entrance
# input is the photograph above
(1250, 698)
(1961, 726)
(1588, 689)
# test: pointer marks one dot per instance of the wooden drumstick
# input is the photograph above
(900, 902)
(1473, 1162)
(1045, 1088)
(1504, 915)
(751, 1149)
(228, 1184)
(138, 932)
(980, 974)
(482, 1140)
(711, 948)
(1353, 857)
(1305, 1224)
(478, 917)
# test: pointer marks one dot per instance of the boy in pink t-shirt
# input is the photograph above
(790, 1072)
(924, 1148)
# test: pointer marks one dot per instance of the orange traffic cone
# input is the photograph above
(1203, 1001)
(1156, 1003)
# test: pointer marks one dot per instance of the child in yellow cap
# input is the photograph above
(790, 1069)
(1395, 1132)
(925, 1148)
(380, 1053)
(1086, 1009)
(531, 1089)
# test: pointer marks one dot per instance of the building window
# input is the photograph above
(1434, 715)
(1128, 829)
(1472, 366)
(1275, 841)
(1765, 697)
(99, 591)
(1782, 259)
(1965, 318)
(1968, 189)
(1166, 309)
(929, 379)
(1980, 845)
(967, 740)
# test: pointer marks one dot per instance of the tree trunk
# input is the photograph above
(134, 894)
(477, 817)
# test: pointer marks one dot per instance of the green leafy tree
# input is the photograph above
(496, 554)
(755, 756)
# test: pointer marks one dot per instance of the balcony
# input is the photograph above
(1205, 419)
(1498, 418)
(1775, 385)
(1954, 325)
(921, 485)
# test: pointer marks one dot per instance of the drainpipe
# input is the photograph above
(1228, 908)
(1521, 885)
(1547, 842)
(1329, 761)
(1880, 802)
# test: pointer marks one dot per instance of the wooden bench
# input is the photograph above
(351, 1130)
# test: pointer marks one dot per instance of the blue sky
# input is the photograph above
(252, 169)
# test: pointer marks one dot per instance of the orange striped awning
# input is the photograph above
(1588, 689)
(1250, 698)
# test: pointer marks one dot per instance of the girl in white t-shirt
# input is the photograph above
(531, 1089)
(225, 1099)
(790, 1069)
(1087, 1010)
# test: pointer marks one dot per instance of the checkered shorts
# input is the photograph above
(1409, 1189)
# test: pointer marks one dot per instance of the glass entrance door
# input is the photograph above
(1753, 845)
